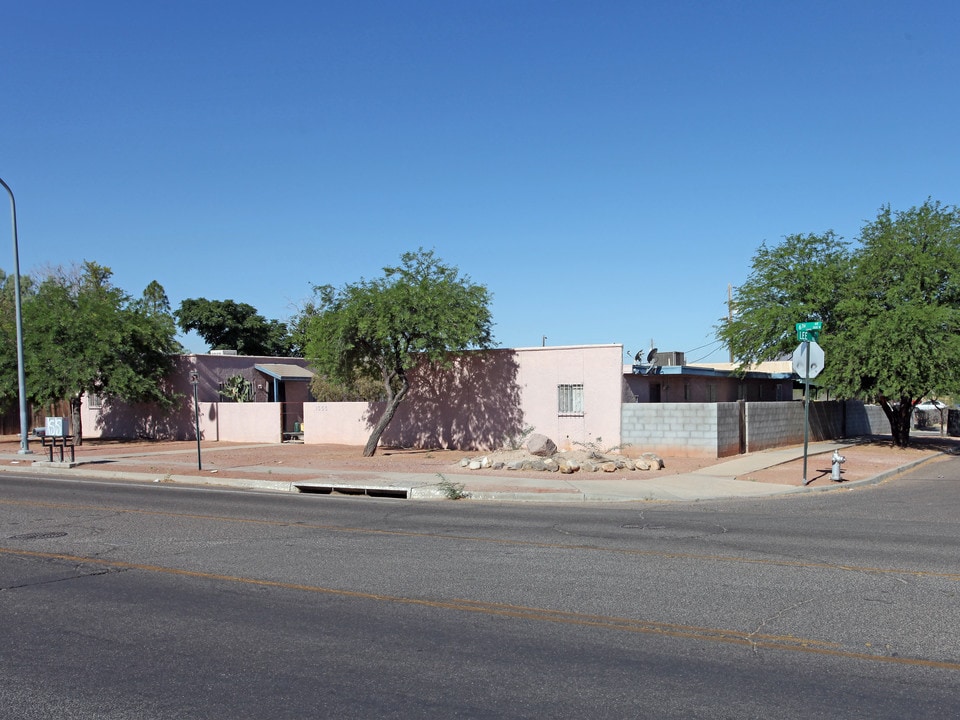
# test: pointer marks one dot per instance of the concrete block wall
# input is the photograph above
(773, 424)
(728, 428)
(683, 429)
(719, 430)
(828, 420)
(865, 419)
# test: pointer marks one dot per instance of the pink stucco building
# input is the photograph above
(484, 400)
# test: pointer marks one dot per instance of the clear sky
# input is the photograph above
(605, 168)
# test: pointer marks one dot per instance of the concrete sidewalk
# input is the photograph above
(714, 482)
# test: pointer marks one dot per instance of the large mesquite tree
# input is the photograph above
(87, 335)
(899, 336)
(890, 308)
(419, 311)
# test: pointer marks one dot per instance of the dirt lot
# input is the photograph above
(297, 462)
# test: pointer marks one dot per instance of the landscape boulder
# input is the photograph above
(654, 460)
(541, 445)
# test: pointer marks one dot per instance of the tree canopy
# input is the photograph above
(418, 311)
(229, 325)
(890, 308)
(86, 335)
(9, 387)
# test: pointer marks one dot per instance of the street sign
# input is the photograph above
(800, 360)
(809, 331)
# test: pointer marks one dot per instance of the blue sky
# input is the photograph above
(605, 168)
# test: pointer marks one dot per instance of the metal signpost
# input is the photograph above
(807, 362)
(195, 380)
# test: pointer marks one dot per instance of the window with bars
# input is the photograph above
(94, 402)
(570, 400)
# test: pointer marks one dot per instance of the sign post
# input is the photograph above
(195, 381)
(807, 362)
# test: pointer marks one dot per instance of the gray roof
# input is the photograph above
(282, 371)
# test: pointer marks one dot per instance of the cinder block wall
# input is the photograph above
(773, 424)
(728, 428)
(865, 419)
(682, 429)
(716, 429)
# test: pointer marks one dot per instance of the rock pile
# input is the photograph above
(542, 455)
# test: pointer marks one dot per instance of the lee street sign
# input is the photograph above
(809, 331)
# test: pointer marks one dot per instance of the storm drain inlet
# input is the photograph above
(356, 490)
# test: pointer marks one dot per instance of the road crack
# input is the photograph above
(39, 583)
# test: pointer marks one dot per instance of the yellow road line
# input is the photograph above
(719, 635)
(665, 554)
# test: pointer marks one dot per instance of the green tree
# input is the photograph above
(897, 341)
(86, 335)
(802, 278)
(890, 308)
(9, 389)
(229, 325)
(419, 311)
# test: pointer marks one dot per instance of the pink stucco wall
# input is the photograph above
(117, 419)
(341, 423)
(247, 422)
(487, 399)
(597, 367)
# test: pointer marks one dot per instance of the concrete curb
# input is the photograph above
(876, 479)
(678, 488)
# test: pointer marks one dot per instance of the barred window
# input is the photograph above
(93, 401)
(570, 399)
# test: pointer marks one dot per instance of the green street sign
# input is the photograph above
(809, 331)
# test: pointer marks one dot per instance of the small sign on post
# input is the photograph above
(57, 427)
(809, 331)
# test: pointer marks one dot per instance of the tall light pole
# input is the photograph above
(21, 381)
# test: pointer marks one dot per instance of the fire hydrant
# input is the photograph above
(838, 460)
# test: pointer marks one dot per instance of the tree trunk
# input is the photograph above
(392, 404)
(75, 419)
(899, 418)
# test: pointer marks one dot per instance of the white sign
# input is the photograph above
(800, 360)
(57, 427)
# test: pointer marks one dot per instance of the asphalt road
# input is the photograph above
(159, 601)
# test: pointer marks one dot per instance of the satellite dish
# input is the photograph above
(651, 355)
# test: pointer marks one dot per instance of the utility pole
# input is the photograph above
(21, 380)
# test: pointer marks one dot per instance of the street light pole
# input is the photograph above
(21, 380)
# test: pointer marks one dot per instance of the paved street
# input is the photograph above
(162, 601)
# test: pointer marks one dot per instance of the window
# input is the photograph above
(687, 392)
(570, 399)
(711, 392)
(94, 402)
